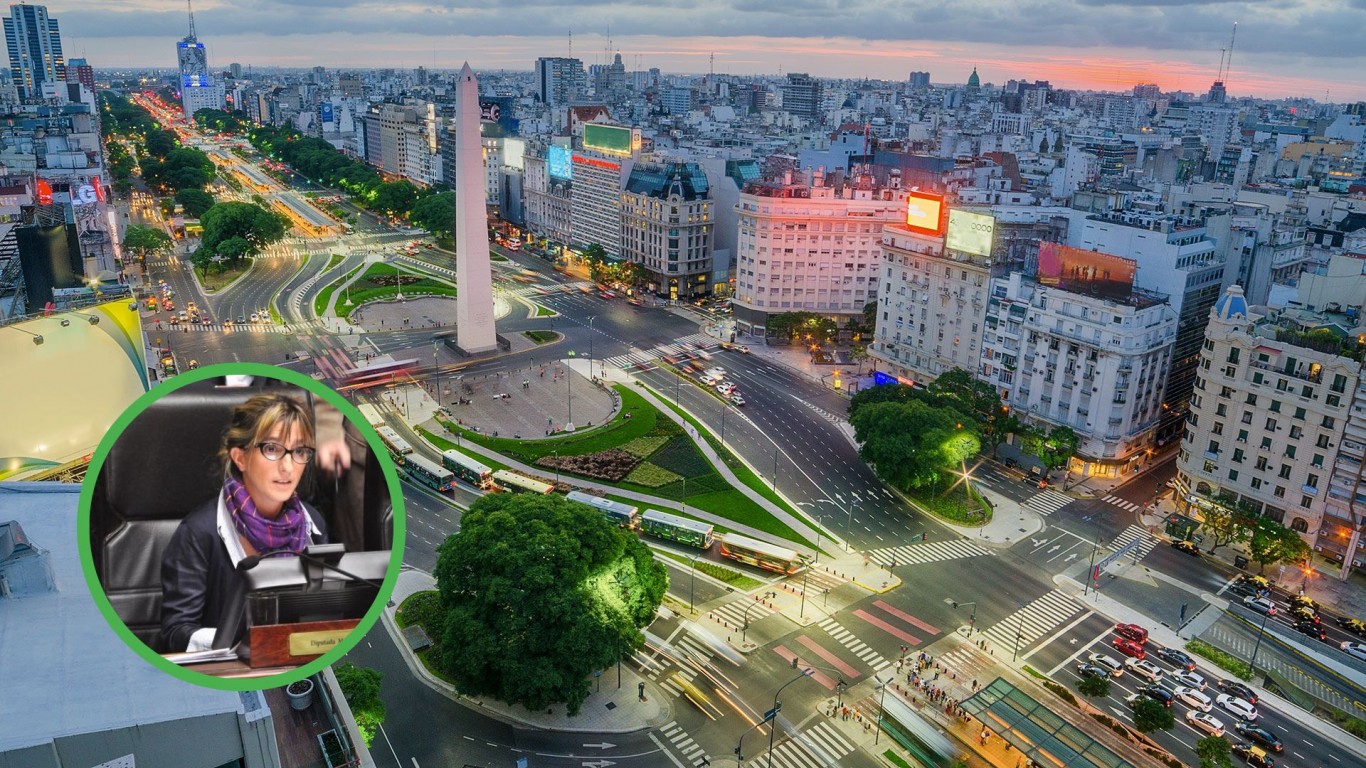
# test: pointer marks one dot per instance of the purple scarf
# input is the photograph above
(288, 532)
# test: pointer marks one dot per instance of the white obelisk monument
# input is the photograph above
(474, 329)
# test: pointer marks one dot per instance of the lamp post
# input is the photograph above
(1019, 633)
(972, 620)
(590, 346)
(881, 707)
(1252, 662)
(692, 581)
(777, 705)
(744, 628)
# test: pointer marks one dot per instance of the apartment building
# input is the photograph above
(667, 222)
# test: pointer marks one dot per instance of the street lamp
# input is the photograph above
(972, 620)
(692, 581)
(881, 706)
(744, 628)
(590, 345)
(1252, 662)
(1019, 633)
(778, 705)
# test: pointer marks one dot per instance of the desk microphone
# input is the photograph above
(251, 561)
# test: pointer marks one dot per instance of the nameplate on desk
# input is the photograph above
(315, 643)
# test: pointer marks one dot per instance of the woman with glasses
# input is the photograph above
(258, 513)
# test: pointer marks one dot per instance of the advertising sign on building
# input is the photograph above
(611, 139)
(1086, 272)
(325, 112)
(970, 232)
(925, 213)
(557, 163)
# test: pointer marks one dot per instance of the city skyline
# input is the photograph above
(1303, 51)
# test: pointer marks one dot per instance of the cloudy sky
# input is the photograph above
(1310, 48)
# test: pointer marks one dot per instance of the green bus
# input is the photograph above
(662, 525)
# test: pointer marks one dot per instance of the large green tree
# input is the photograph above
(1150, 715)
(1214, 752)
(360, 686)
(1094, 685)
(1227, 521)
(1271, 543)
(435, 213)
(539, 593)
(141, 242)
(977, 400)
(395, 197)
(183, 168)
(159, 143)
(227, 222)
(913, 444)
(1054, 448)
(194, 201)
(887, 393)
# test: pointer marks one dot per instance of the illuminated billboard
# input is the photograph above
(1086, 272)
(611, 139)
(925, 213)
(557, 163)
(970, 232)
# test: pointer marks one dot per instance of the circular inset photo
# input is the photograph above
(241, 526)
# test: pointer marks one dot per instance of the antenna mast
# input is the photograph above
(1228, 67)
(571, 44)
(190, 7)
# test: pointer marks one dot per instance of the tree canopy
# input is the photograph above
(976, 399)
(1054, 448)
(183, 168)
(360, 686)
(913, 444)
(1094, 685)
(1150, 715)
(436, 214)
(539, 593)
(142, 242)
(1227, 521)
(222, 121)
(194, 201)
(395, 197)
(233, 230)
(1214, 752)
(1271, 543)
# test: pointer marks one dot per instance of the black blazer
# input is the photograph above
(198, 580)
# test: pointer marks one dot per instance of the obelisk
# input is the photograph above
(474, 329)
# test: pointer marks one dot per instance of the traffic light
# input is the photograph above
(794, 662)
(955, 604)
(925, 535)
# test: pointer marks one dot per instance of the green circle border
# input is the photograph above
(187, 673)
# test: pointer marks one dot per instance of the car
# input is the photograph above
(716, 372)
(1254, 756)
(1238, 689)
(227, 323)
(736, 399)
(1355, 650)
(1355, 626)
(241, 318)
(1129, 648)
(1193, 698)
(1255, 583)
(1237, 706)
(708, 379)
(1144, 669)
(1204, 722)
(1186, 546)
(1132, 632)
(193, 365)
(1189, 678)
(1178, 657)
(1157, 693)
(1260, 605)
(1259, 735)
(1303, 614)
(1313, 630)
(1301, 601)
(1091, 670)
(1108, 662)
(742, 349)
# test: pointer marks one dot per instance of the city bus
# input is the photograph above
(371, 415)
(515, 483)
(466, 468)
(663, 525)
(623, 515)
(761, 554)
(396, 445)
(376, 372)
(428, 472)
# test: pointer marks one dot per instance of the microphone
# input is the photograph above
(251, 561)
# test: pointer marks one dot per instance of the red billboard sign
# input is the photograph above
(925, 213)
(1086, 272)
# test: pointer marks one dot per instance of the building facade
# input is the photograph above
(35, 49)
(559, 80)
(667, 224)
(595, 213)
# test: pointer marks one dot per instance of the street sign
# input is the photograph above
(772, 713)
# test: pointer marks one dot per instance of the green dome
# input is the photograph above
(973, 80)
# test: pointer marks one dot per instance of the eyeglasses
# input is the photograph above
(275, 452)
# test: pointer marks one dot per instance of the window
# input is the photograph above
(1275, 406)
(1306, 501)
(1247, 417)
(1266, 443)
(1221, 410)
(1322, 442)
(1226, 392)
(1231, 371)
(1242, 435)
(1299, 414)
(1279, 492)
(1209, 467)
(1271, 425)
(1233, 474)
(1332, 400)
(1312, 481)
(1329, 422)
(1296, 433)
(1251, 399)
(1261, 462)
(1256, 483)
(1213, 446)
(1317, 463)
(1284, 474)
(1238, 455)
(1290, 451)
(1218, 428)
(1233, 355)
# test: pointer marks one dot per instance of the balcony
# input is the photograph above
(1312, 490)
(1212, 455)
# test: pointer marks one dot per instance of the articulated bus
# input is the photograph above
(515, 483)
(623, 515)
(376, 373)
(371, 415)
(467, 469)
(428, 472)
(761, 554)
(396, 445)
(663, 525)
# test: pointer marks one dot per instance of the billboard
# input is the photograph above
(325, 112)
(611, 139)
(925, 213)
(557, 163)
(1086, 272)
(970, 232)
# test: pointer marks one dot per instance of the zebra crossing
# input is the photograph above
(856, 646)
(1123, 504)
(737, 612)
(236, 328)
(819, 746)
(1038, 619)
(684, 743)
(631, 359)
(1146, 540)
(929, 552)
(686, 646)
(1047, 502)
(641, 357)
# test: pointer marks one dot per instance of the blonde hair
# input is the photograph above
(258, 417)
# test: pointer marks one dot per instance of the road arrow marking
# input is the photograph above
(1071, 557)
(1039, 542)
(598, 764)
(1054, 548)
(603, 745)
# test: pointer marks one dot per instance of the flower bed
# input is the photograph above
(652, 476)
(612, 464)
(644, 446)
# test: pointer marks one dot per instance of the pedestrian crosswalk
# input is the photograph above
(1047, 502)
(1123, 503)
(688, 647)
(640, 357)
(744, 610)
(684, 743)
(635, 357)
(1146, 541)
(928, 552)
(856, 646)
(817, 747)
(235, 328)
(1041, 617)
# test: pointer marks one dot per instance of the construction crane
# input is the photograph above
(1226, 66)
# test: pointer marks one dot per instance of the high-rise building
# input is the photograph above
(199, 89)
(80, 71)
(802, 96)
(667, 221)
(559, 80)
(35, 49)
(919, 80)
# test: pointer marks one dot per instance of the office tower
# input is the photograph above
(920, 80)
(559, 80)
(474, 326)
(35, 49)
(802, 96)
(198, 88)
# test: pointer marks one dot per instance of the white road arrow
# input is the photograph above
(603, 745)
(1039, 542)
(1071, 557)
(598, 764)
(1054, 548)
(1072, 641)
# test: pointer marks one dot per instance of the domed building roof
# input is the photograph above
(1232, 305)
(973, 80)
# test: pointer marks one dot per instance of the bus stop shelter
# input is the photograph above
(1038, 733)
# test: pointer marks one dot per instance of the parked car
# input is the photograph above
(1193, 698)
(1259, 735)
(1178, 657)
(1238, 689)
(1355, 626)
(1157, 693)
(1129, 648)
(1237, 706)
(1355, 650)
(1189, 679)
(1186, 546)
(1315, 631)
(1260, 605)
(1144, 669)
(1253, 583)
(1132, 632)
(1108, 662)
(1203, 722)
(1252, 755)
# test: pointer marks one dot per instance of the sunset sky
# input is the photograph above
(1295, 48)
